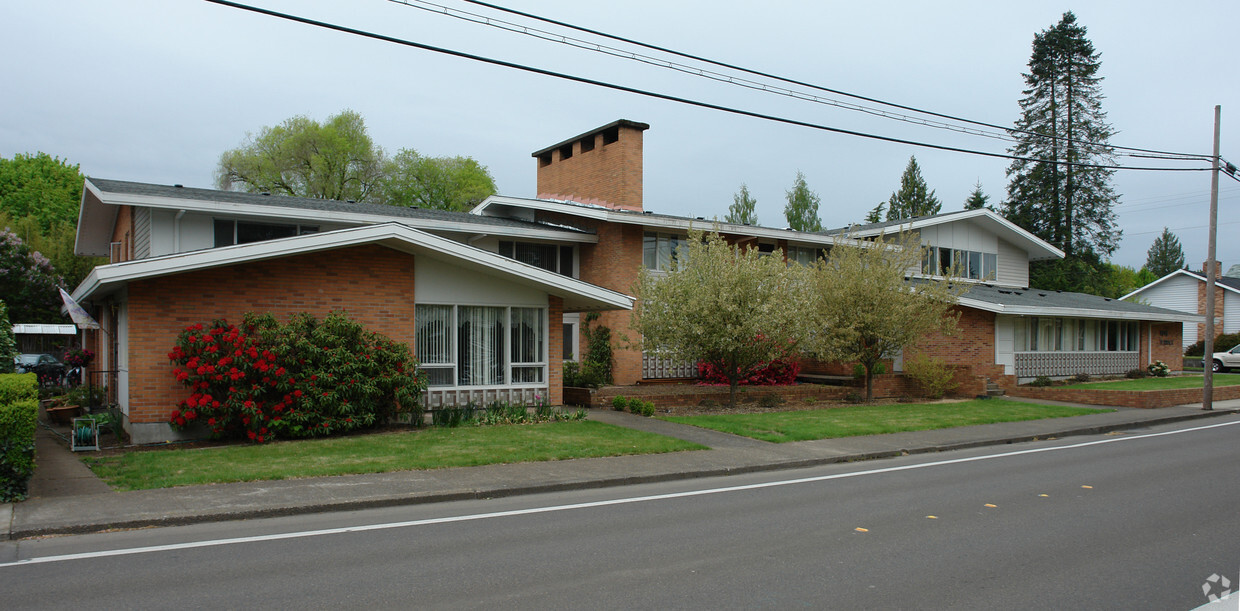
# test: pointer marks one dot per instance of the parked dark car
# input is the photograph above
(49, 370)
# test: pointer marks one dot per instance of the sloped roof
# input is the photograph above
(1037, 302)
(1227, 282)
(100, 197)
(1037, 248)
(577, 295)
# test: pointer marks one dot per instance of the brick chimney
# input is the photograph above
(602, 166)
(1218, 269)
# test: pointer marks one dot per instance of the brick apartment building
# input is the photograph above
(182, 256)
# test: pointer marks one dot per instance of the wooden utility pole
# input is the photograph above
(1207, 358)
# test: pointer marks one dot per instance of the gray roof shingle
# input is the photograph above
(312, 204)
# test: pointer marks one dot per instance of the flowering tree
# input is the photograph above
(864, 308)
(729, 307)
(306, 378)
(28, 282)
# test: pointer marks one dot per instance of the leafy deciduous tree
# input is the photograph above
(8, 343)
(743, 209)
(338, 160)
(1165, 254)
(46, 188)
(864, 309)
(912, 199)
(1062, 126)
(301, 157)
(441, 183)
(729, 307)
(802, 209)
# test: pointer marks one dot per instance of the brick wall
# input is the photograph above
(555, 356)
(1218, 309)
(122, 232)
(373, 284)
(607, 174)
(614, 263)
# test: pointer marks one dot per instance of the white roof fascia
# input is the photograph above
(1179, 272)
(423, 243)
(239, 209)
(600, 213)
(970, 214)
(1025, 310)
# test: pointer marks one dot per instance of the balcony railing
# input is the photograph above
(1063, 364)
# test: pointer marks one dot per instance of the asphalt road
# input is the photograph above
(1135, 522)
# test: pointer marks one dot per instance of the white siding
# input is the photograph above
(197, 232)
(1177, 293)
(1231, 311)
(965, 236)
(438, 282)
(1005, 347)
(1013, 265)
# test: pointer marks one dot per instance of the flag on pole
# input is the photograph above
(79, 315)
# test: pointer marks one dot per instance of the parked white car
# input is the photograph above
(1226, 360)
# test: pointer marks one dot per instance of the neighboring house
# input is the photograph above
(490, 300)
(1185, 290)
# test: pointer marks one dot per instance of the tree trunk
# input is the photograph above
(732, 384)
(869, 383)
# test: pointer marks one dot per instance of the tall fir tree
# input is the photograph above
(913, 199)
(1062, 126)
(802, 209)
(976, 200)
(1165, 254)
(875, 215)
(743, 209)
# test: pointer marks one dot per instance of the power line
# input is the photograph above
(670, 98)
(516, 28)
(1160, 154)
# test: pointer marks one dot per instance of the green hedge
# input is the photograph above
(19, 415)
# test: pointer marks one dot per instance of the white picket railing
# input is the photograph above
(1062, 364)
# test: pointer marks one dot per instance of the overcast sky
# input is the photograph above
(154, 91)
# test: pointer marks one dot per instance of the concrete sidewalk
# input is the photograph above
(66, 498)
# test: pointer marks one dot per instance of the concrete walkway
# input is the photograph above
(66, 498)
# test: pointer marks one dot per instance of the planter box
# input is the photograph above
(63, 414)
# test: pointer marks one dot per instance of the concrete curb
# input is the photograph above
(375, 502)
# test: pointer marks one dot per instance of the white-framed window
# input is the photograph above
(971, 264)
(805, 255)
(467, 345)
(550, 257)
(659, 250)
(229, 231)
(1052, 334)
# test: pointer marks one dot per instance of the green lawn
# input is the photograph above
(876, 419)
(1173, 382)
(432, 448)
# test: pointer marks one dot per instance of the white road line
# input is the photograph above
(556, 508)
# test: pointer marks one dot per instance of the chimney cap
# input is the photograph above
(617, 123)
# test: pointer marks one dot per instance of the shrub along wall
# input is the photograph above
(19, 413)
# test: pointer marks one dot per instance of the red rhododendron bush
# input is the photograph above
(265, 380)
(773, 373)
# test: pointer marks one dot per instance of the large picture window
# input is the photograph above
(969, 264)
(481, 345)
(1048, 334)
(659, 250)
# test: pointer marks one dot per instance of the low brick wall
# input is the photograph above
(1146, 399)
(673, 395)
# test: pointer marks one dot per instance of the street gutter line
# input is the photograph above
(592, 504)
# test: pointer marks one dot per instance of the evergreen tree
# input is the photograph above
(742, 211)
(802, 208)
(1062, 125)
(912, 199)
(976, 199)
(876, 213)
(1165, 255)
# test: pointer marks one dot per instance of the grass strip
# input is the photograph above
(433, 448)
(1168, 383)
(780, 427)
